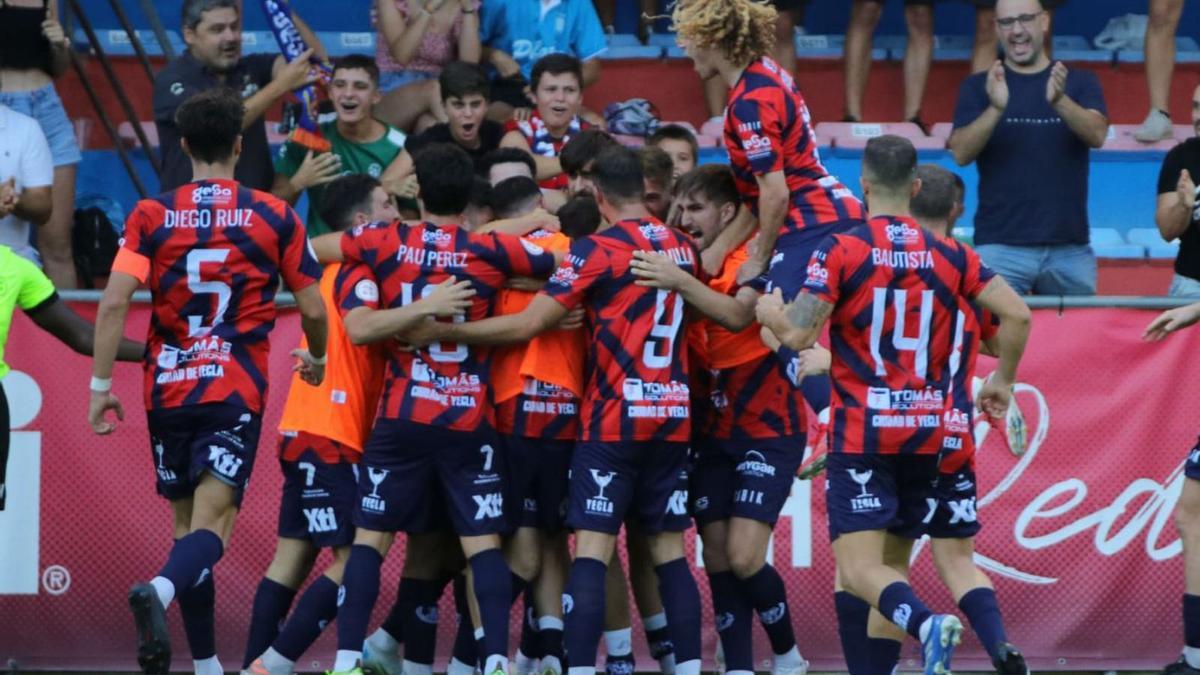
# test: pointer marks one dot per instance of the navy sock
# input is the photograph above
(734, 617)
(465, 648)
(816, 390)
(271, 603)
(659, 642)
(550, 643)
(316, 608)
(983, 612)
(394, 623)
(901, 606)
(681, 601)
(882, 655)
(766, 592)
(531, 643)
(190, 557)
(852, 613)
(1191, 620)
(360, 587)
(583, 607)
(421, 622)
(196, 604)
(493, 592)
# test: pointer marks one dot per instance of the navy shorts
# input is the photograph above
(879, 492)
(318, 499)
(1191, 468)
(537, 482)
(955, 516)
(747, 478)
(407, 466)
(789, 264)
(190, 441)
(645, 479)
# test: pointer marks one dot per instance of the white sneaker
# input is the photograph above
(551, 666)
(719, 659)
(789, 664)
(381, 660)
(524, 665)
(1156, 127)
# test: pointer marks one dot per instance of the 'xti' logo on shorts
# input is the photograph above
(321, 520)
(489, 505)
(223, 461)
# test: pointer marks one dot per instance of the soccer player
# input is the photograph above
(771, 146)
(631, 454)
(361, 143)
(322, 432)
(659, 173)
(892, 380)
(213, 254)
(23, 285)
(557, 85)
(1187, 512)
(752, 440)
(434, 421)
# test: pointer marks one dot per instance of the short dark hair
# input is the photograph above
(580, 217)
(358, 62)
(481, 193)
(211, 122)
(657, 166)
(460, 79)
(714, 182)
(936, 199)
(192, 12)
(555, 64)
(675, 132)
(617, 173)
(344, 197)
(445, 174)
(515, 196)
(506, 156)
(583, 148)
(890, 161)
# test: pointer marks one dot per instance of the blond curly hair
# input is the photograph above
(742, 30)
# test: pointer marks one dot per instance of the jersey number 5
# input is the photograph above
(195, 258)
(919, 345)
(663, 333)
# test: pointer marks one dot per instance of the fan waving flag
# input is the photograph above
(279, 17)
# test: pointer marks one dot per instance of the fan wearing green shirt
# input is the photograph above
(361, 143)
(23, 285)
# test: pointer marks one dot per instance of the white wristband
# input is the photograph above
(321, 361)
(101, 385)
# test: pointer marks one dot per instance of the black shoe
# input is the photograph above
(154, 645)
(850, 119)
(916, 119)
(1010, 661)
(1180, 667)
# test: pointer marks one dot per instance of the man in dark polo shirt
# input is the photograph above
(1178, 215)
(212, 30)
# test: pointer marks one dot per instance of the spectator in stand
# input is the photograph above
(26, 176)
(557, 81)
(1160, 66)
(918, 55)
(607, 9)
(212, 30)
(518, 33)
(983, 55)
(360, 143)
(658, 177)
(680, 145)
(417, 39)
(464, 91)
(1030, 124)
(1178, 215)
(33, 51)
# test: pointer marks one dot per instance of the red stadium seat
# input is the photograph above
(1120, 139)
(854, 135)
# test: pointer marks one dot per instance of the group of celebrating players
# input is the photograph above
(502, 384)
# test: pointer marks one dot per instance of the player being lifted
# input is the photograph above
(892, 378)
(212, 253)
(772, 148)
(434, 419)
(635, 420)
(752, 441)
(1187, 512)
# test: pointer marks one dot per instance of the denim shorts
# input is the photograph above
(1184, 287)
(44, 106)
(394, 79)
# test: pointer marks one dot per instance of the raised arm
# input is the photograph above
(1091, 126)
(968, 141)
(285, 77)
(1174, 213)
(403, 37)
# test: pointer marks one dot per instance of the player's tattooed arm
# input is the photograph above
(798, 324)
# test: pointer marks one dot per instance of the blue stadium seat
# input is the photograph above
(259, 42)
(1107, 242)
(945, 47)
(634, 51)
(1152, 240)
(115, 41)
(1077, 48)
(964, 234)
(830, 47)
(1187, 50)
(343, 43)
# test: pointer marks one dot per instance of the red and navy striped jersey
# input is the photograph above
(636, 376)
(542, 410)
(751, 395)
(972, 326)
(213, 253)
(896, 291)
(392, 265)
(541, 143)
(768, 129)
